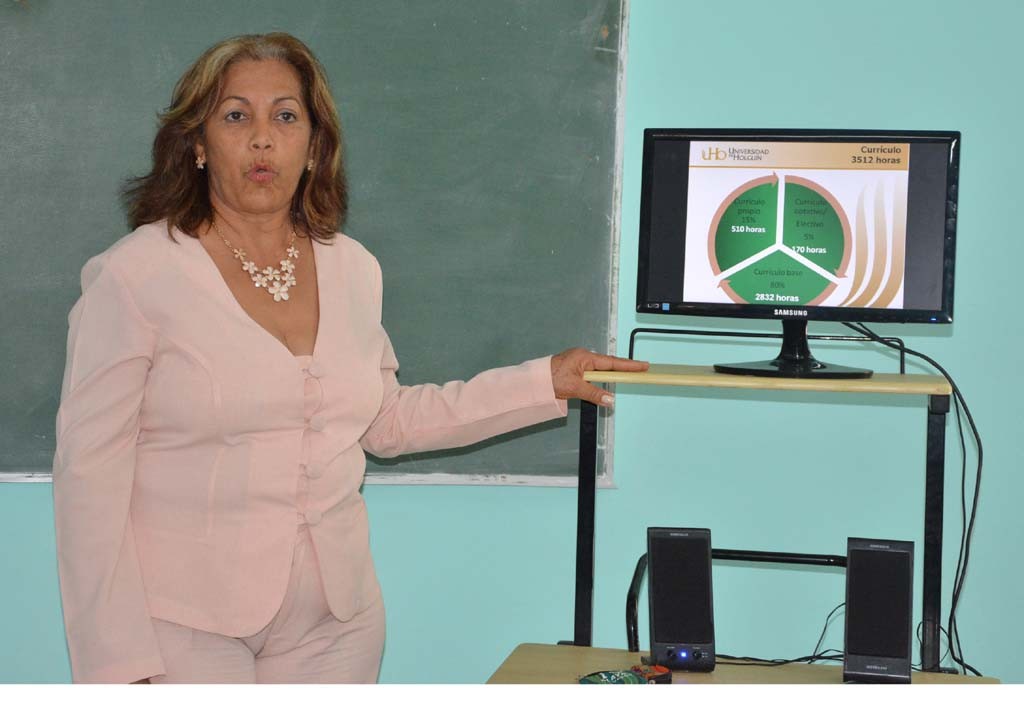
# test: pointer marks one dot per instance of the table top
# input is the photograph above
(706, 376)
(565, 664)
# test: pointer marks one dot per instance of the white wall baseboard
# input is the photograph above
(603, 481)
(28, 476)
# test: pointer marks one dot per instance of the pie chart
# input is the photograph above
(779, 240)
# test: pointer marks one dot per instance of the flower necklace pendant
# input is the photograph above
(278, 280)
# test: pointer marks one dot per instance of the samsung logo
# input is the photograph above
(878, 667)
(790, 312)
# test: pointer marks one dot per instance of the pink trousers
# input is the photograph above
(303, 643)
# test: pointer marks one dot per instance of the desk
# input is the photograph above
(936, 388)
(565, 664)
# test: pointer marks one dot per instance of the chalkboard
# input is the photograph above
(480, 142)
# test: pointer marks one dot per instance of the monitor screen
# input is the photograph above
(814, 224)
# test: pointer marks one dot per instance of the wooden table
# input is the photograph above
(565, 664)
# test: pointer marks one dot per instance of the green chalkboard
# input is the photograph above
(480, 141)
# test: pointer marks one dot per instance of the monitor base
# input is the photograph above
(794, 360)
(802, 370)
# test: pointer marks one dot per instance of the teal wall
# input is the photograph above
(470, 572)
(799, 474)
(31, 625)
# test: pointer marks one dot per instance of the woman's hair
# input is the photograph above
(176, 190)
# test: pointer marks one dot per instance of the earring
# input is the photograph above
(309, 165)
(200, 162)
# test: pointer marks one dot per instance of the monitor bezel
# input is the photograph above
(943, 315)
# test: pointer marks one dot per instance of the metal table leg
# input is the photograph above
(583, 627)
(931, 601)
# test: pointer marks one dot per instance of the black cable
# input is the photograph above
(831, 655)
(955, 635)
(825, 628)
(828, 655)
(835, 656)
(917, 667)
(967, 532)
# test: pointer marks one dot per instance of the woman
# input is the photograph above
(226, 370)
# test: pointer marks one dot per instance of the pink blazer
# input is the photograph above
(191, 442)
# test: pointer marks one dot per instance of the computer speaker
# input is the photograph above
(679, 593)
(879, 610)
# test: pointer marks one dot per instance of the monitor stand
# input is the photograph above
(794, 360)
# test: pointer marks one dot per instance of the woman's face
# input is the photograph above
(256, 142)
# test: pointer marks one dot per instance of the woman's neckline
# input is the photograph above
(218, 279)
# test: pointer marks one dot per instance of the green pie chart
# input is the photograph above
(795, 260)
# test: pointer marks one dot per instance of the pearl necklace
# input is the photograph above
(277, 281)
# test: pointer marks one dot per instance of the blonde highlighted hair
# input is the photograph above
(177, 191)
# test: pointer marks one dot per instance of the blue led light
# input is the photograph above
(683, 655)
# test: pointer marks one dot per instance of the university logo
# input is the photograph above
(713, 154)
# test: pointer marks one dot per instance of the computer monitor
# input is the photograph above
(798, 225)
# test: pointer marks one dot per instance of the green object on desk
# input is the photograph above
(618, 676)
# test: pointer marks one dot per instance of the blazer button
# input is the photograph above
(313, 517)
(318, 422)
(314, 471)
(315, 370)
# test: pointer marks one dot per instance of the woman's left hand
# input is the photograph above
(568, 367)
